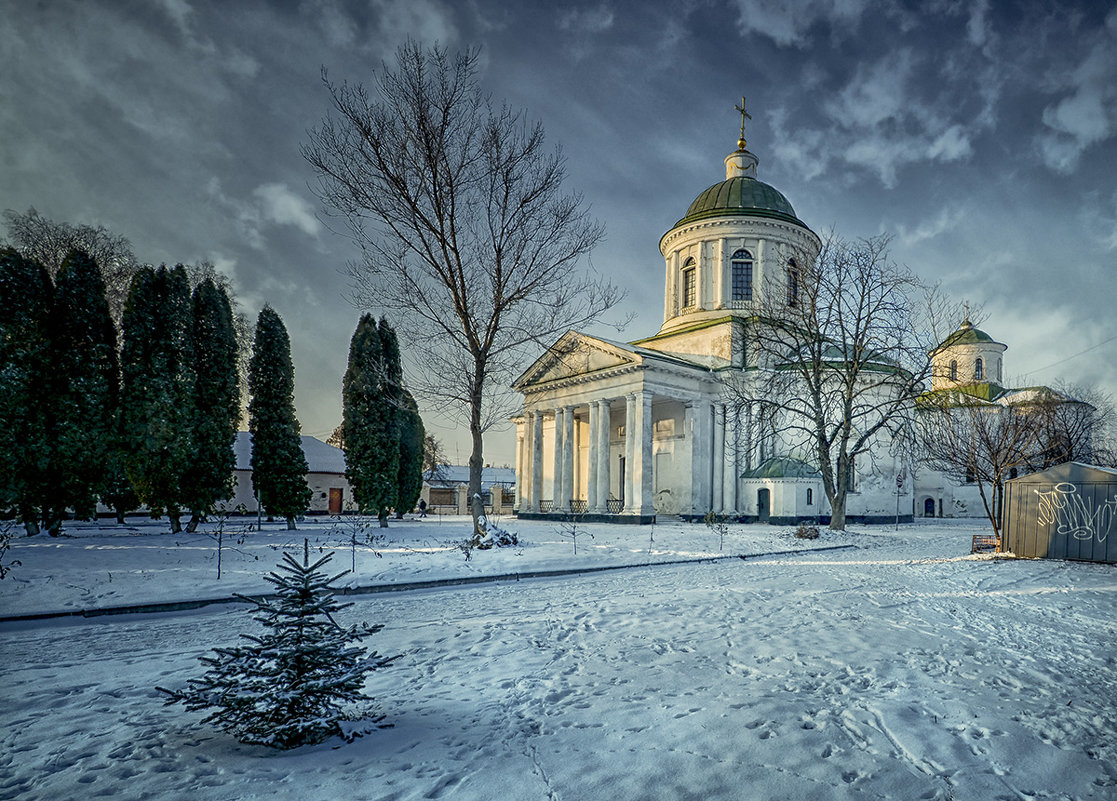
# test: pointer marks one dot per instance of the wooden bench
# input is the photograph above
(985, 543)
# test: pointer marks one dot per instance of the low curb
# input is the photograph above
(402, 586)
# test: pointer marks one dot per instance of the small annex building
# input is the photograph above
(1065, 512)
(325, 477)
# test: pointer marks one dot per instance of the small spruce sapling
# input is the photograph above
(290, 686)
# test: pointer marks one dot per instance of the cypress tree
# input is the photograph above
(209, 476)
(278, 464)
(369, 423)
(25, 306)
(157, 367)
(85, 389)
(411, 439)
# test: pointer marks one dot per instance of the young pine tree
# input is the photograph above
(287, 687)
(208, 477)
(370, 422)
(278, 464)
(411, 440)
(85, 390)
(157, 393)
(25, 306)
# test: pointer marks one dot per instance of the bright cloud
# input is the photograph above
(786, 22)
(283, 207)
(1088, 114)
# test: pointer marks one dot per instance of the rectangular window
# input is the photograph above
(689, 287)
(810, 497)
(742, 280)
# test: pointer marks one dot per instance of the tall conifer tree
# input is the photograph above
(278, 464)
(411, 439)
(85, 389)
(369, 422)
(209, 475)
(25, 306)
(157, 396)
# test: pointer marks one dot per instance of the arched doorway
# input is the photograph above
(929, 507)
(763, 505)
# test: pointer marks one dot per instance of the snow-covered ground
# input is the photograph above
(899, 668)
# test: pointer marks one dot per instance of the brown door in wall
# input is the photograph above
(335, 500)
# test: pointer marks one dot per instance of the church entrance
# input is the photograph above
(763, 505)
(335, 500)
(929, 507)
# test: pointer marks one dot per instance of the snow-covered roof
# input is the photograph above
(459, 474)
(320, 457)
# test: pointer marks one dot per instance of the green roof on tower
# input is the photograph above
(743, 196)
(967, 335)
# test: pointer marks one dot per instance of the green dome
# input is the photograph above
(743, 196)
(967, 335)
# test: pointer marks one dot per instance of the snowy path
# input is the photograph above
(874, 673)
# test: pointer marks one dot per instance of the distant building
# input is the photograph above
(969, 364)
(326, 476)
(446, 488)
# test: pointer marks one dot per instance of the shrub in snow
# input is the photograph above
(494, 536)
(805, 532)
(288, 687)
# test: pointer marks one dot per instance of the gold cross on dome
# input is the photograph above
(744, 115)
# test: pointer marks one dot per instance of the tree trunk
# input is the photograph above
(176, 522)
(120, 516)
(476, 464)
(838, 511)
(192, 526)
(383, 518)
(31, 527)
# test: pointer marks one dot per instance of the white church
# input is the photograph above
(626, 431)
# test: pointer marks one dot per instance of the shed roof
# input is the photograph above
(1071, 473)
(450, 474)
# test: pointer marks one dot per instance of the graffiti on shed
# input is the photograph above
(1073, 514)
(1068, 511)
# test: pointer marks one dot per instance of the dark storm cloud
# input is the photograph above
(980, 134)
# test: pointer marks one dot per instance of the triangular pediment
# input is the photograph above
(575, 355)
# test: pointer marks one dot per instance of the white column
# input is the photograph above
(591, 458)
(536, 459)
(604, 429)
(556, 466)
(629, 449)
(567, 457)
(699, 430)
(729, 491)
(521, 469)
(717, 449)
(641, 503)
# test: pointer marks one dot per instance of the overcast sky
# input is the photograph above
(981, 135)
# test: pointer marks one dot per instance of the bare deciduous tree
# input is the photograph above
(1075, 423)
(978, 442)
(49, 242)
(466, 234)
(842, 343)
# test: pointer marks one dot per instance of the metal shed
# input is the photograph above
(1065, 512)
